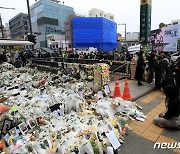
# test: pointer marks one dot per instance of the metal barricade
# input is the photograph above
(121, 67)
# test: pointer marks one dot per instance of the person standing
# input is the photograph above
(151, 62)
(160, 68)
(23, 58)
(140, 68)
(4, 57)
(76, 55)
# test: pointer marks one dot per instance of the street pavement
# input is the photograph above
(143, 135)
(136, 91)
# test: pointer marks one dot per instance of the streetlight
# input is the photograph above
(29, 15)
(7, 8)
(125, 28)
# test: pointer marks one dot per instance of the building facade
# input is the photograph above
(68, 29)
(7, 34)
(99, 13)
(175, 22)
(57, 42)
(48, 17)
(19, 26)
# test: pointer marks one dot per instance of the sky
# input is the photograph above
(125, 11)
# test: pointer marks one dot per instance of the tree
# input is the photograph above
(161, 25)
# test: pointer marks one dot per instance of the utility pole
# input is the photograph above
(65, 41)
(29, 15)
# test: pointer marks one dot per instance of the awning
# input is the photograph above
(47, 50)
(14, 43)
(160, 44)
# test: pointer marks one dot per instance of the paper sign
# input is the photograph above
(140, 119)
(59, 64)
(100, 94)
(6, 137)
(49, 142)
(110, 150)
(113, 140)
(107, 89)
(58, 127)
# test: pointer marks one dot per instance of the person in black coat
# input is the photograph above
(151, 61)
(140, 68)
(160, 70)
(3, 57)
(23, 59)
(170, 119)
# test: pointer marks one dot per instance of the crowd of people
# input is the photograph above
(160, 68)
(167, 77)
(102, 55)
(17, 58)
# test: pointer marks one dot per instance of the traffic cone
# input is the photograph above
(126, 93)
(117, 92)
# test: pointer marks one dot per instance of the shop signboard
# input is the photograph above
(145, 21)
(167, 37)
(170, 35)
(155, 37)
(134, 48)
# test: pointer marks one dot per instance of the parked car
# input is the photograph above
(175, 56)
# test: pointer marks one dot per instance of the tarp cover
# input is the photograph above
(97, 32)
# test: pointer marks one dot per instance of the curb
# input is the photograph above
(142, 95)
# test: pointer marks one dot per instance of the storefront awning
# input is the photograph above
(47, 50)
(14, 43)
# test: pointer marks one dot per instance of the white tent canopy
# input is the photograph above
(134, 48)
(14, 43)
